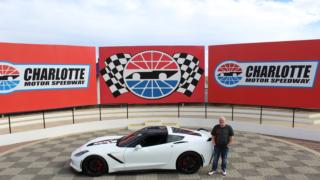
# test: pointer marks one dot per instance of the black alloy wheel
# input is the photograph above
(188, 163)
(94, 166)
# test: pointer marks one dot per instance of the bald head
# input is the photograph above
(222, 121)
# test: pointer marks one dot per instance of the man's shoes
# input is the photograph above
(210, 173)
(224, 173)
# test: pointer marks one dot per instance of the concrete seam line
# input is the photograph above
(47, 139)
(22, 146)
(294, 144)
(72, 134)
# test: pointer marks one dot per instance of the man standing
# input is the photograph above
(222, 137)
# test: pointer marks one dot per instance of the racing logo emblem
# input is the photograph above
(24, 77)
(267, 74)
(152, 74)
(228, 74)
(8, 77)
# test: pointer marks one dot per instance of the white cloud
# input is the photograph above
(138, 22)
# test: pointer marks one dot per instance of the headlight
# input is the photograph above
(81, 153)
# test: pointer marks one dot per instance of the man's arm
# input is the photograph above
(213, 140)
(231, 136)
(231, 139)
(213, 133)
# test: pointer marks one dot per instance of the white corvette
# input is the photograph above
(155, 147)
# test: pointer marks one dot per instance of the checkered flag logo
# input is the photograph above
(115, 64)
(190, 72)
(113, 73)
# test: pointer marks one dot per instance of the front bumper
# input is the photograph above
(75, 163)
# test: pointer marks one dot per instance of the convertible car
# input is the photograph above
(154, 147)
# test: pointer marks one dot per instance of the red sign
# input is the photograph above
(151, 74)
(281, 74)
(39, 77)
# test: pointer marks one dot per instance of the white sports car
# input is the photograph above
(155, 147)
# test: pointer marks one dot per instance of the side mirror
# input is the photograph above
(138, 147)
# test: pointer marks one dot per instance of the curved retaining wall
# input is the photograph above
(276, 122)
(184, 122)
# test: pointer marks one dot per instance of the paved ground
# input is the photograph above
(252, 157)
(4, 149)
(314, 145)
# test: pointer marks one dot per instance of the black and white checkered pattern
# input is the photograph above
(188, 87)
(190, 72)
(253, 156)
(113, 73)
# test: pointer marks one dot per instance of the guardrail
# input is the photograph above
(11, 123)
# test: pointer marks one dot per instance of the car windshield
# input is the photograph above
(127, 140)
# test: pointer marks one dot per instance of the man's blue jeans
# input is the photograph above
(223, 152)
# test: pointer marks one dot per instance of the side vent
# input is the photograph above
(180, 142)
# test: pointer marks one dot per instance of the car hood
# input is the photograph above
(106, 143)
(105, 140)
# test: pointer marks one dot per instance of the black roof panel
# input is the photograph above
(155, 130)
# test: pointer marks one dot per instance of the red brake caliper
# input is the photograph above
(98, 165)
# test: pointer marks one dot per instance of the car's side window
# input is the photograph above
(153, 140)
(174, 138)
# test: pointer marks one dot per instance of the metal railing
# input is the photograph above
(17, 122)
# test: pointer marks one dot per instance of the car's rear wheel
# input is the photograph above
(189, 163)
(94, 166)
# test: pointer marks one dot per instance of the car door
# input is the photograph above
(152, 152)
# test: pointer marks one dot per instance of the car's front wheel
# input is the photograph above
(188, 163)
(94, 166)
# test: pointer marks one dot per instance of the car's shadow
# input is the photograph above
(153, 171)
(130, 173)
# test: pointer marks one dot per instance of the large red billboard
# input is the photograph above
(151, 74)
(38, 77)
(281, 74)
